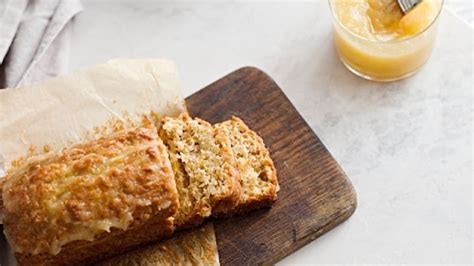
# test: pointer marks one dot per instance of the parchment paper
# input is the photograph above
(64, 110)
(197, 247)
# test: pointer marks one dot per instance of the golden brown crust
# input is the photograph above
(258, 174)
(123, 180)
(104, 246)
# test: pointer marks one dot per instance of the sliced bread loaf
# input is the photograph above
(205, 170)
(257, 173)
(90, 201)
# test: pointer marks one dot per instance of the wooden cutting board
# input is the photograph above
(315, 194)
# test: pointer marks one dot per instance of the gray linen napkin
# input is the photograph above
(34, 45)
(34, 37)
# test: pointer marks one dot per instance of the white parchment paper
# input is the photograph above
(60, 111)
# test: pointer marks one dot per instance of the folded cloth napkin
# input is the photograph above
(34, 37)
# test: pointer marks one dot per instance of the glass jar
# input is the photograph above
(383, 60)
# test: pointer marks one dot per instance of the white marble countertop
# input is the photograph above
(407, 146)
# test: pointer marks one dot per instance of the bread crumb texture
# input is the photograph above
(257, 172)
(115, 181)
(204, 167)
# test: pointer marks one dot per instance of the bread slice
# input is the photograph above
(257, 173)
(90, 201)
(205, 170)
(189, 247)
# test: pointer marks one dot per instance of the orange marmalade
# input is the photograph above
(377, 41)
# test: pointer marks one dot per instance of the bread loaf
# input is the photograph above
(259, 186)
(90, 201)
(105, 197)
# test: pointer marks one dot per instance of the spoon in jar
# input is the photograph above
(407, 5)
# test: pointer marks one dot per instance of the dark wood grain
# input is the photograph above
(315, 194)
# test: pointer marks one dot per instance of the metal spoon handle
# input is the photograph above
(407, 5)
